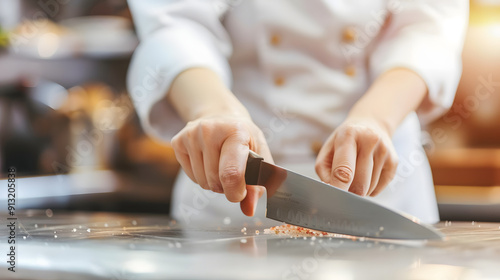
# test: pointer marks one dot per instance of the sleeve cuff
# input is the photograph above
(155, 64)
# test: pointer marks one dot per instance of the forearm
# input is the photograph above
(390, 98)
(199, 92)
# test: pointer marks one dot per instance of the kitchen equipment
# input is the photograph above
(33, 134)
(299, 200)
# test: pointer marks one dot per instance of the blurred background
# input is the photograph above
(66, 120)
(67, 123)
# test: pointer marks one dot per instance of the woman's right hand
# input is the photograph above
(213, 151)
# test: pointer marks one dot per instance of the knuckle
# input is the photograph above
(371, 136)
(206, 127)
(215, 185)
(176, 142)
(383, 151)
(230, 176)
(343, 173)
(350, 131)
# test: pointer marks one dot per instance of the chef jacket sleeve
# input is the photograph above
(174, 35)
(425, 36)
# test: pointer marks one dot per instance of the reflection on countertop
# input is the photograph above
(80, 245)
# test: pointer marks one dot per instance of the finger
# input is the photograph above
(183, 157)
(263, 149)
(324, 161)
(185, 163)
(232, 165)
(386, 176)
(249, 204)
(343, 164)
(379, 158)
(211, 165)
(364, 167)
(211, 156)
(198, 168)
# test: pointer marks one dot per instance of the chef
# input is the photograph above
(333, 89)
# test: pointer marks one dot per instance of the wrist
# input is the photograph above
(382, 122)
(225, 107)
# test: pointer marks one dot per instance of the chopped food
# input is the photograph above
(296, 231)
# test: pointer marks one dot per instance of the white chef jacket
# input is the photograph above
(298, 67)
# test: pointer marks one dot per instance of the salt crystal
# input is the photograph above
(88, 230)
(381, 228)
(178, 245)
(55, 236)
(473, 222)
(362, 239)
(305, 238)
(134, 222)
(243, 240)
(24, 237)
(227, 220)
(244, 229)
(106, 225)
(36, 225)
(313, 238)
(73, 230)
(49, 213)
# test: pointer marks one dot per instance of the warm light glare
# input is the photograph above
(48, 45)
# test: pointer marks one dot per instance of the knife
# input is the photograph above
(302, 201)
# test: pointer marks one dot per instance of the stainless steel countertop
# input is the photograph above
(116, 246)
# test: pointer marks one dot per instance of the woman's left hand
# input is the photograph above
(358, 157)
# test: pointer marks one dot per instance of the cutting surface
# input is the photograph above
(55, 245)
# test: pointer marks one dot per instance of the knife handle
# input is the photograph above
(253, 168)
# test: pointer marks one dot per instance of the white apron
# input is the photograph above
(298, 67)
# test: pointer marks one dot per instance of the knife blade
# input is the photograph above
(303, 201)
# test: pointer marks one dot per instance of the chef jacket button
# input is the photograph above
(349, 35)
(275, 39)
(316, 147)
(279, 81)
(350, 71)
